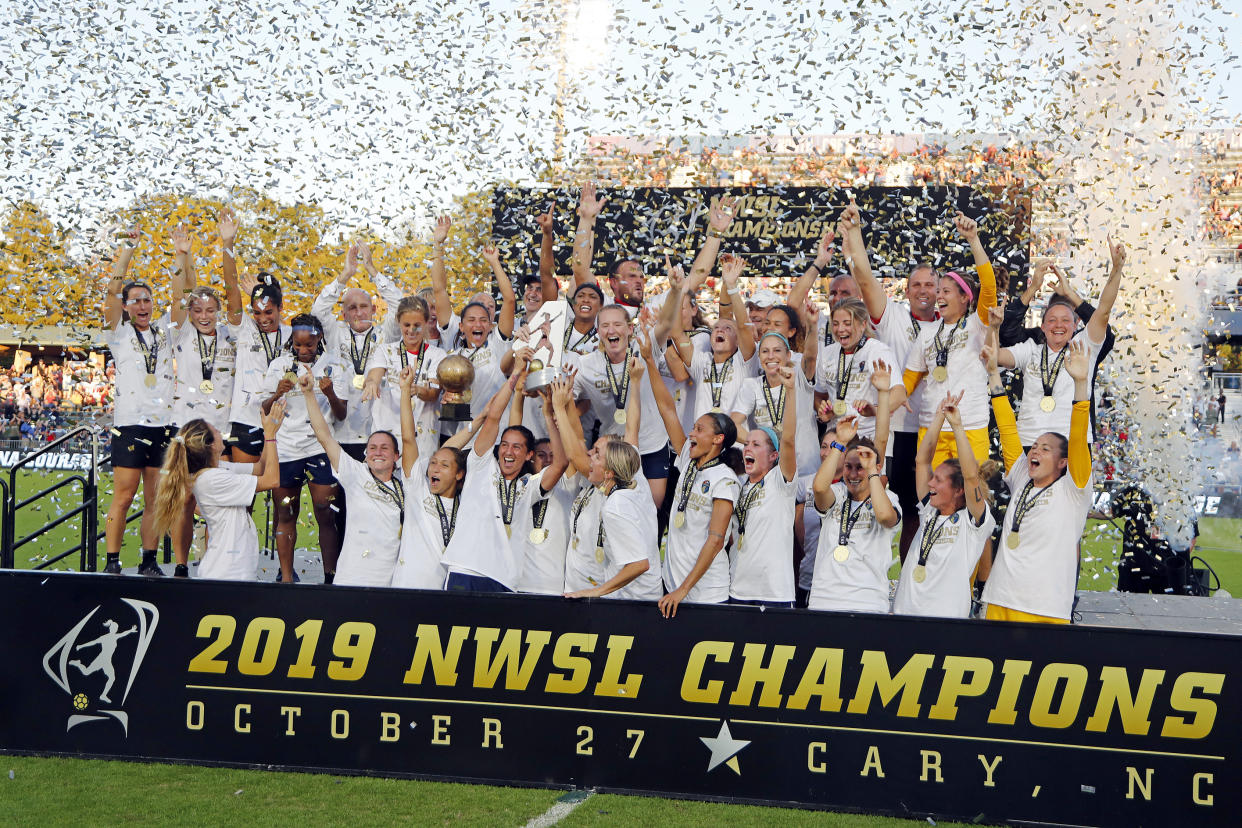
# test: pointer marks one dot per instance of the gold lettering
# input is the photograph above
(989, 769)
(289, 713)
(876, 677)
(443, 659)
(1075, 677)
(872, 762)
(1006, 709)
(1197, 796)
(238, 725)
(611, 684)
(586, 734)
(491, 733)
(1184, 700)
(953, 687)
(1133, 781)
(931, 764)
(439, 730)
(822, 677)
(195, 712)
(1135, 710)
(390, 727)
(579, 666)
(692, 688)
(814, 764)
(340, 724)
(518, 667)
(770, 677)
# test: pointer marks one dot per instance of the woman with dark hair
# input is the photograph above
(142, 416)
(303, 458)
(703, 506)
(223, 491)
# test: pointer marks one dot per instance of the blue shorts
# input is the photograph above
(248, 439)
(657, 464)
(461, 582)
(313, 469)
(773, 604)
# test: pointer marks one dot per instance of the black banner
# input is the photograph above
(1082, 726)
(777, 228)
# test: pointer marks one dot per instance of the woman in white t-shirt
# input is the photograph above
(859, 517)
(142, 414)
(376, 496)
(703, 503)
(844, 370)
(414, 351)
(223, 492)
(761, 566)
(954, 525)
(765, 399)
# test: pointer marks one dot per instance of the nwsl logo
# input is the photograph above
(97, 661)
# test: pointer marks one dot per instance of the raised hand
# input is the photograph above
(866, 457)
(325, 383)
(491, 255)
(786, 373)
(731, 268)
(440, 232)
(644, 342)
(544, 220)
(563, 391)
(589, 206)
(996, 316)
(364, 255)
(967, 226)
(305, 382)
(273, 418)
(1116, 253)
(637, 369)
(847, 429)
(674, 273)
(851, 217)
(247, 283)
(406, 379)
(949, 407)
(351, 261)
(226, 226)
(1077, 365)
(721, 215)
(181, 241)
(823, 253)
(881, 376)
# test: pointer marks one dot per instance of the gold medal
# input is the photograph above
(359, 381)
(940, 373)
(839, 408)
(717, 410)
(618, 417)
(292, 376)
(1013, 540)
(149, 379)
(575, 543)
(206, 387)
(841, 553)
(599, 554)
(679, 519)
(538, 536)
(508, 531)
(920, 574)
(1047, 405)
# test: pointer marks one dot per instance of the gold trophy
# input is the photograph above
(455, 374)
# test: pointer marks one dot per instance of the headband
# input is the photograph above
(311, 329)
(771, 432)
(962, 284)
(779, 336)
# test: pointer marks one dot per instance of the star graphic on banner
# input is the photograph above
(724, 749)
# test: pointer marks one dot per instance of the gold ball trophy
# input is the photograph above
(455, 374)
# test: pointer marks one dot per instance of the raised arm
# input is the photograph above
(810, 342)
(927, 452)
(885, 514)
(439, 278)
(388, 289)
(325, 300)
(566, 414)
(801, 289)
(881, 380)
(547, 258)
(821, 486)
(731, 268)
(789, 426)
(508, 307)
(1078, 366)
(719, 217)
(183, 280)
(226, 229)
(1006, 423)
(969, 230)
(121, 257)
(409, 429)
(1098, 326)
(323, 432)
(560, 461)
(855, 250)
(664, 400)
(268, 466)
(495, 410)
(1013, 329)
(584, 237)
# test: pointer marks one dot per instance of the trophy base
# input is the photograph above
(455, 412)
(541, 379)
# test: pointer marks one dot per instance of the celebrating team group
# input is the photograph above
(775, 452)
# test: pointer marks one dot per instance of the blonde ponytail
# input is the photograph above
(188, 453)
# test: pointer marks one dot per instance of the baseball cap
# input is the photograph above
(764, 299)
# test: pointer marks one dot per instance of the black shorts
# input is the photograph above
(657, 464)
(248, 439)
(901, 471)
(358, 451)
(313, 469)
(140, 447)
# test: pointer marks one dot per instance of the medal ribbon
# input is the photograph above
(580, 503)
(931, 535)
(538, 512)
(845, 368)
(687, 481)
(848, 520)
(270, 350)
(360, 359)
(507, 492)
(447, 523)
(396, 493)
(748, 498)
(1025, 502)
(776, 408)
(1050, 377)
(716, 381)
(418, 365)
(620, 388)
(207, 353)
(151, 353)
(942, 349)
(569, 330)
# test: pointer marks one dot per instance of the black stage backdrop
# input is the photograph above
(777, 228)
(878, 713)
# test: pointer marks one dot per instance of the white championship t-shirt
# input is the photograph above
(900, 331)
(224, 495)
(761, 566)
(630, 535)
(1040, 576)
(191, 349)
(686, 541)
(480, 545)
(754, 404)
(386, 413)
(855, 370)
(373, 526)
(810, 531)
(136, 403)
(860, 582)
(945, 591)
(1033, 421)
(966, 372)
(717, 385)
(296, 440)
(542, 564)
(249, 383)
(584, 558)
(420, 561)
(592, 384)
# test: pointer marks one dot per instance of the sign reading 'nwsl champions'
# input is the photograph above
(889, 714)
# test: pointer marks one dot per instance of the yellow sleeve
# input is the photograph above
(911, 379)
(987, 291)
(1007, 424)
(1079, 448)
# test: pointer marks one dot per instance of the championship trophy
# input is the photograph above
(455, 374)
(547, 340)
